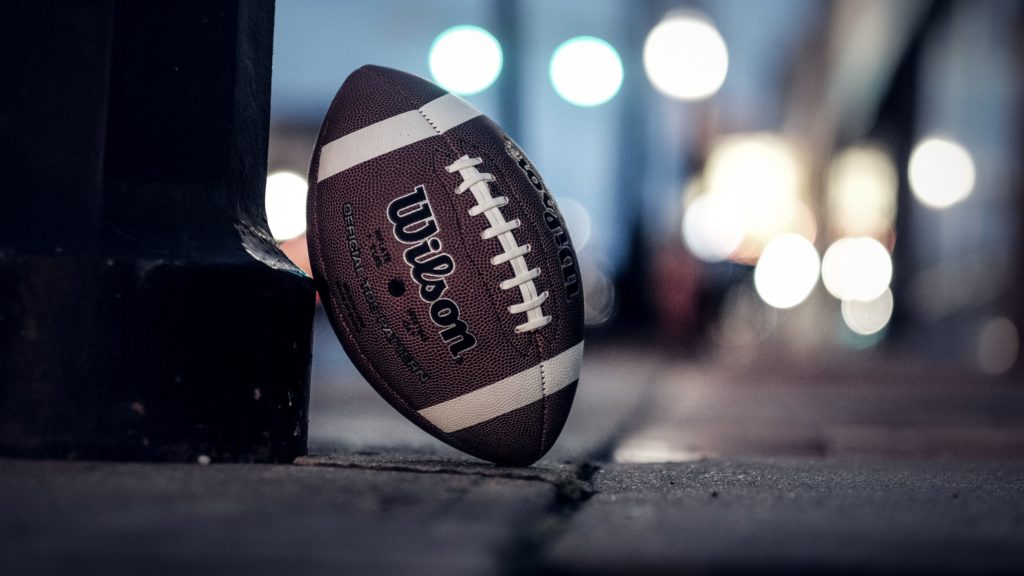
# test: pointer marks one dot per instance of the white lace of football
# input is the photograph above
(512, 252)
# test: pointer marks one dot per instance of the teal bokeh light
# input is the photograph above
(465, 59)
(586, 71)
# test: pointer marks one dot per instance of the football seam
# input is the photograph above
(535, 337)
(539, 348)
(429, 121)
(538, 339)
(544, 409)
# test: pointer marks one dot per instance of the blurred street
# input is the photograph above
(666, 465)
(796, 228)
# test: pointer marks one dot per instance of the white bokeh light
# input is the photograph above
(685, 57)
(285, 201)
(577, 219)
(941, 172)
(712, 228)
(599, 296)
(861, 192)
(465, 59)
(586, 71)
(866, 318)
(760, 176)
(856, 269)
(787, 271)
(760, 173)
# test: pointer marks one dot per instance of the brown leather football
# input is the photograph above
(445, 266)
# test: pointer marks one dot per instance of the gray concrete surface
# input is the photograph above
(665, 466)
(799, 515)
(102, 518)
(408, 514)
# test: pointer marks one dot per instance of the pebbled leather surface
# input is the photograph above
(360, 271)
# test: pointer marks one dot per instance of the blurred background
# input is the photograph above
(799, 225)
(790, 182)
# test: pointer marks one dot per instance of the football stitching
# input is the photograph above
(537, 338)
(462, 234)
(429, 121)
(544, 409)
(507, 322)
(451, 141)
(512, 252)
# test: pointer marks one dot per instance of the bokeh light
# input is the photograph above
(586, 71)
(861, 192)
(998, 345)
(759, 177)
(685, 57)
(856, 269)
(941, 172)
(866, 318)
(787, 271)
(465, 59)
(577, 219)
(599, 295)
(654, 446)
(285, 201)
(712, 229)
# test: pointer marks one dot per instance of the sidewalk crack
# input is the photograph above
(527, 553)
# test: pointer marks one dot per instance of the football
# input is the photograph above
(445, 266)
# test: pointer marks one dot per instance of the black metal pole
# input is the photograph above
(145, 312)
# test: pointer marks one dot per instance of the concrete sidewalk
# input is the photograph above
(391, 515)
(665, 466)
(785, 516)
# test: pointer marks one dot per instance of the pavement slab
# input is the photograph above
(356, 518)
(665, 466)
(757, 516)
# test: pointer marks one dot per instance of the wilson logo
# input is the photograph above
(414, 224)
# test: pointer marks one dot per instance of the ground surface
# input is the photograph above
(666, 466)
